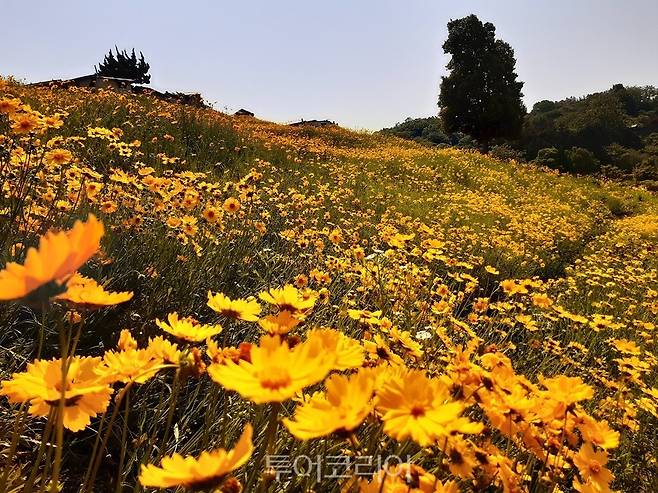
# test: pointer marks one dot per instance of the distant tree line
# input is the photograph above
(614, 132)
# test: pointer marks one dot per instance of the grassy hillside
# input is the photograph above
(524, 301)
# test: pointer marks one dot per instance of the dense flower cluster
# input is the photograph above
(316, 291)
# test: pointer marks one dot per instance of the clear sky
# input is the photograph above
(363, 63)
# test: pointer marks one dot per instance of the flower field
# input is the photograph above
(202, 302)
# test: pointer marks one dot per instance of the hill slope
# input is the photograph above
(491, 276)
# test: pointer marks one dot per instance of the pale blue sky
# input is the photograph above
(363, 63)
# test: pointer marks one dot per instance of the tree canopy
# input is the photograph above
(481, 96)
(125, 66)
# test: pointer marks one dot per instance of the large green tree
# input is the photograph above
(481, 96)
(125, 66)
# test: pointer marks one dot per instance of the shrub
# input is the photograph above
(505, 152)
(550, 157)
(582, 160)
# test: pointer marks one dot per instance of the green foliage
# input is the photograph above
(582, 161)
(466, 141)
(481, 95)
(617, 126)
(506, 153)
(426, 130)
(550, 157)
(647, 169)
(619, 207)
(125, 66)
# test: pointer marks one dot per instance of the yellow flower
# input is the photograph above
(126, 341)
(206, 472)
(335, 236)
(281, 323)
(239, 309)
(92, 188)
(275, 373)
(414, 406)
(210, 214)
(164, 350)
(345, 352)
(591, 466)
(86, 395)
(406, 478)
(597, 432)
(132, 365)
(59, 255)
(345, 404)
(58, 157)
(290, 299)
(9, 106)
(379, 351)
(84, 291)
(541, 300)
(562, 392)
(231, 205)
(187, 328)
(23, 123)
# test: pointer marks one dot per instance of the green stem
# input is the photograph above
(99, 455)
(95, 449)
(170, 414)
(59, 430)
(18, 428)
(270, 440)
(124, 434)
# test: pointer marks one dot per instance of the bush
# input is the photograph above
(468, 142)
(647, 169)
(612, 172)
(582, 161)
(619, 207)
(505, 152)
(623, 157)
(550, 157)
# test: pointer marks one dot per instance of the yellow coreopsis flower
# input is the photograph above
(275, 373)
(417, 407)
(86, 395)
(126, 341)
(129, 366)
(345, 351)
(279, 324)
(59, 255)
(407, 478)
(187, 328)
(342, 408)
(164, 350)
(591, 466)
(85, 291)
(9, 106)
(290, 299)
(23, 123)
(58, 157)
(205, 472)
(563, 392)
(231, 205)
(239, 309)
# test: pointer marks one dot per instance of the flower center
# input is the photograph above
(231, 313)
(595, 467)
(58, 386)
(417, 411)
(275, 379)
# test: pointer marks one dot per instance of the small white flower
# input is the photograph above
(422, 335)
